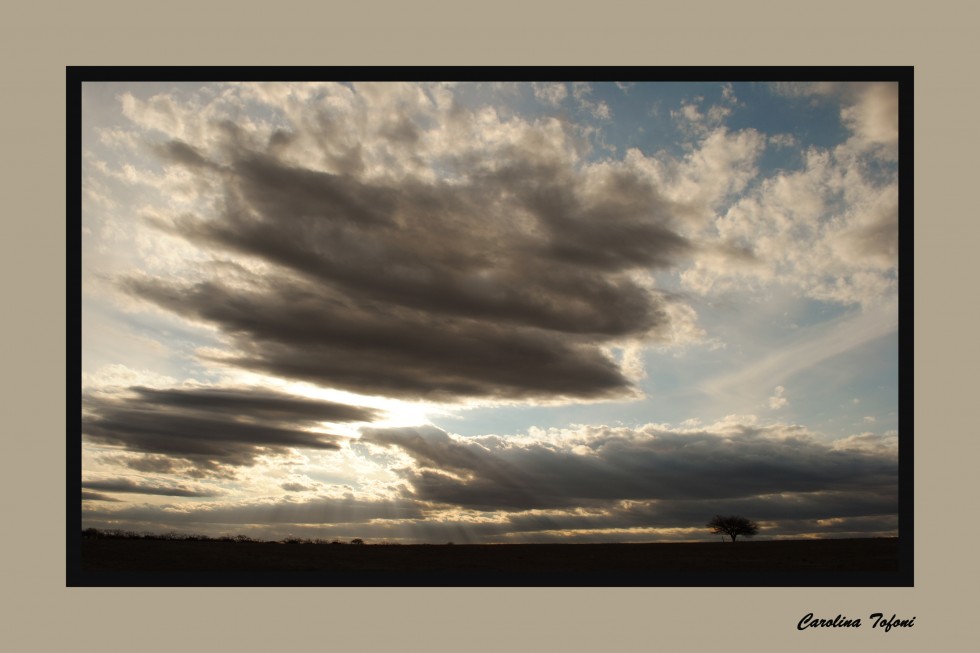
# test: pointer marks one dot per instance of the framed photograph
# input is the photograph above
(491, 326)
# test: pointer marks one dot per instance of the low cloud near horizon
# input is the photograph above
(635, 483)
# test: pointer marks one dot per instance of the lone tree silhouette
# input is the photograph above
(733, 526)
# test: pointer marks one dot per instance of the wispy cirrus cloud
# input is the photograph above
(815, 345)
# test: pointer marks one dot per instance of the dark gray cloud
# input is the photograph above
(209, 428)
(293, 331)
(785, 512)
(166, 464)
(504, 281)
(297, 487)
(177, 151)
(621, 223)
(599, 484)
(680, 520)
(790, 515)
(492, 473)
(156, 463)
(320, 510)
(96, 496)
(129, 486)
(259, 405)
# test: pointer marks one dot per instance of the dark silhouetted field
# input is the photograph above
(880, 554)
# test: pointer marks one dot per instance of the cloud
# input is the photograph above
(777, 400)
(288, 331)
(209, 428)
(120, 375)
(97, 496)
(830, 230)
(589, 483)
(721, 166)
(873, 442)
(807, 89)
(414, 237)
(259, 405)
(582, 92)
(728, 93)
(128, 486)
(783, 140)
(504, 276)
(697, 122)
(783, 514)
(786, 515)
(809, 347)
(873, 117)
(868, 109)
(550, 92)
(593, 466)
(871, 233)
(319, 510)
(298, 487)
(177, 151)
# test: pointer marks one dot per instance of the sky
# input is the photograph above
(490, 312)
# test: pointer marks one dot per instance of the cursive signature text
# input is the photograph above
(878, 620)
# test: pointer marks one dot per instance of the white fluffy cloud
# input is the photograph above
(830, 230)
(778, 400)
(552, 93)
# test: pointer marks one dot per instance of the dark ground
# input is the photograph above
(867, 555)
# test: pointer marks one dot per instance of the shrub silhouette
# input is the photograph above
(733, 526)
(357, 540)
(172, 536)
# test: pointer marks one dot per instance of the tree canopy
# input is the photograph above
(733, 526)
